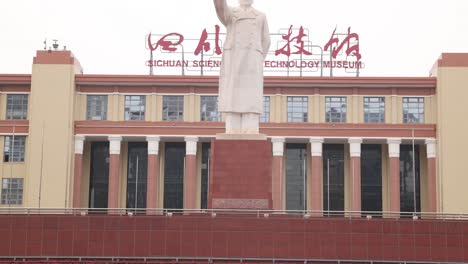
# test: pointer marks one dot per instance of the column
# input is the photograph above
(78, 171)
(394, 175)
(355, 173)
(152, 192)
(431, 175)
(277, 174)
(316, 183)
(114, 171)
(190, 181)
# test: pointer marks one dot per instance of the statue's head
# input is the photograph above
(245, 2)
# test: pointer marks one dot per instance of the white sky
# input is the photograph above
(398, 37)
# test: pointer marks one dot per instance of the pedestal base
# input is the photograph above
(240, 175)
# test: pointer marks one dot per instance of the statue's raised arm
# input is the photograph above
(223, 11)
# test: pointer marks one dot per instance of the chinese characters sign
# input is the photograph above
(294, 52)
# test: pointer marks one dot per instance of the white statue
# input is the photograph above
(241, 78)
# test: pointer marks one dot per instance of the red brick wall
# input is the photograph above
(234, 236)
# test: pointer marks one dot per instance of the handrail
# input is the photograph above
(227, 212)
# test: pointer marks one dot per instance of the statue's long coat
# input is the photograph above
(244, 51)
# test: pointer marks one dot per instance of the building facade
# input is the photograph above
(73, 140)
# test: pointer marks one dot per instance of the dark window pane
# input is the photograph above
(137, 174)
(99, 175)
(409, 179)
(174, 176)
(333, 177)
(296, 176)
(205, 174)
(371, 178)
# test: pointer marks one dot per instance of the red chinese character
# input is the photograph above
(286, 50)
(167, 45)
(205, 45)
(350, 50)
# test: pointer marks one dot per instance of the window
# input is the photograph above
(209, 109)
(96, 108)
(371, 178)
(17, 107)
(265, 116)
(410, 187)
(413, 110)
(298, 108)
(12, 191)
(374, 109)
(296, 176)
(13, 149)
(173, 108)
(335, 109)
(135, 107)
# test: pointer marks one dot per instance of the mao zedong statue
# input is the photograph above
(241, 77)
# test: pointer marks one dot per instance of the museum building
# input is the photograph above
(340, 146)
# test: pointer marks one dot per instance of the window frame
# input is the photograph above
(207, 115)
(91, 101)
(368, 110)
(11, 105)
(291, 118)
(11, 195)
(265, 116)
(342, 116)
(19, 145)
(421, 115)
(141, 104)
(179, 108)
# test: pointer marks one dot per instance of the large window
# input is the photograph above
(205, 174)
(333, 177)
(409, 179)
(209, 109)
(371, 178)
(374, 109)
(296, 176)
(17, 106)
(298, 108)
(173, 108)
(174, 162)
(135, 107)
(265, 116)
(137, 174)
(99, 175)
(96, 107)
(413, 110)
(12, 191)
(14, 148)
(335, 109)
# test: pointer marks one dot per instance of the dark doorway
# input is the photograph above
(137, 174)
(333, 177)
(296, 176)
(371, 178)
(174, 162)
(99, 175)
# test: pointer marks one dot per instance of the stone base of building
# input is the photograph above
(240, 174)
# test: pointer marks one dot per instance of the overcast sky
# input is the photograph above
(397, 37)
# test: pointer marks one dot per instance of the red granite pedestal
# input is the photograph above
(240, 174)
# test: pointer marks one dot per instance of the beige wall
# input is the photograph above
(452, 131)
(51, 136)
(278, 108)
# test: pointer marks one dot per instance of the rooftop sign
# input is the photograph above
(293, 53)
